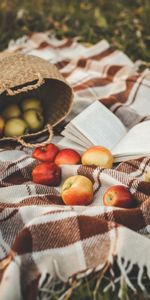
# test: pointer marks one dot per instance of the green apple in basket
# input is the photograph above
(2, 125)
(31, 103)
(15, 127)
(11, 111)
(147, 175)
(34, 119)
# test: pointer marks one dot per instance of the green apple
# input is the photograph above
(34, 119)
(11, 111)
(2, 124)
(147, 176)
(31, 104)
(15, 127)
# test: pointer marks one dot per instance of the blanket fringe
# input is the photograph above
(124, 273)
(125, 267)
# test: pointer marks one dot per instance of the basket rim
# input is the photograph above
(42, 83)
(42, 70)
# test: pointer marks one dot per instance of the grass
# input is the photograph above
(125, 24)
(93, 287)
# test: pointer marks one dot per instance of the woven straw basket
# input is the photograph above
(23, 76)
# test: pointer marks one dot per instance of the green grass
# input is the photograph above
(93, 287)
(125, 24)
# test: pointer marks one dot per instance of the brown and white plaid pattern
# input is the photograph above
(40, 238)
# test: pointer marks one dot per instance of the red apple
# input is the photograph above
(97, 156)
(2, 124)
(46, 153)
(47, 173)
(118, 195)
(67, 156)
(77, 190)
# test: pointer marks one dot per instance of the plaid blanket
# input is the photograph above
(40, 238)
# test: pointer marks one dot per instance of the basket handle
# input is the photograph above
(30, 145)
(27, 88)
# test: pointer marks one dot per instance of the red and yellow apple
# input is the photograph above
(97, 156)
(2, 124)
(77, 190)
(46, 153)
(67, 156)
(118, 195)
(47, 173)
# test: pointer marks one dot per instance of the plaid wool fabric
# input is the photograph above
(40, 238)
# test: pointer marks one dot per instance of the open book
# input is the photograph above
(97, 125)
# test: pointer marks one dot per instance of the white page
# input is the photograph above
(136, 141)
(72, 130)
(75, 139)
(99, 125)
(67, 143)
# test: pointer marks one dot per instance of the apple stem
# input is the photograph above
(109, 198)
(26, 130)
(39, 117)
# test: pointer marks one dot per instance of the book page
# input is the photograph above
(75, 133)
(67, 143)
(136, 142)
(75, 139)
(99, 125)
